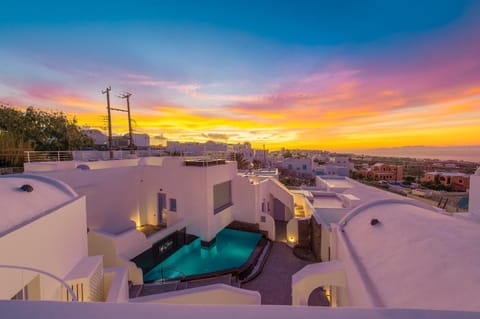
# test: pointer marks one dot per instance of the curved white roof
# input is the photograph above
(19, 207)
(416, 258)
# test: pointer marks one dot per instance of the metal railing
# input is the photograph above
(42, 272)
(47, 156)
(94, 155)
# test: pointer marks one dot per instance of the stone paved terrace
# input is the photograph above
(275, 281)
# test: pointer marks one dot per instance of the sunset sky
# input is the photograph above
(336, 75)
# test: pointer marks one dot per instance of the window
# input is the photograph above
(304, 167)
(289, 166)
(173, 204)
(263, 219)
(222, 196)
(263, 207)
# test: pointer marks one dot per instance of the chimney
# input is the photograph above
(474, 194)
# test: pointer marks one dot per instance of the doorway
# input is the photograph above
(162, 204)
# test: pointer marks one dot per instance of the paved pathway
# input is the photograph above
(275, 281)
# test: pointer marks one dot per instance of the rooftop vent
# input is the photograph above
(27, 188)
(374, 222)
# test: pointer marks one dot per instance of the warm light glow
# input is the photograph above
(137, 222)
(292, 239)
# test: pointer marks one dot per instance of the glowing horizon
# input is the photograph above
(407, 79)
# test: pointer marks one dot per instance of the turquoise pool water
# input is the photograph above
(231, 250)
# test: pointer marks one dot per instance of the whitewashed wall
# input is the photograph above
(54, 243)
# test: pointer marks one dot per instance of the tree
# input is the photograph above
(41, 130)
(408, 180)
(257, 164)
(11, 150)
(242, 163)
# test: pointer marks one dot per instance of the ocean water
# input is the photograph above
(458, 153)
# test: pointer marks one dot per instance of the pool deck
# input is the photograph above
(275, 281)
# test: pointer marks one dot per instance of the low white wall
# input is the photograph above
(474, 198)
(116, 284)
(308, 207)
(268, 225)
(317, 275)
(111, 194)
(47, 166)
(104, 244)
(218, 294)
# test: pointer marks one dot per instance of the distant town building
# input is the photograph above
(188, 149)
(300, 165)
(245, 149)
(457, 181)
(338, 165)
(262, 156)
(99, 138)
(210, 148)
(140, 140)
(384, 172)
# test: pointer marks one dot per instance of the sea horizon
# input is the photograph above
(468, 153)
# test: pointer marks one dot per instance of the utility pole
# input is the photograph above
(130, 134)
(110, 140)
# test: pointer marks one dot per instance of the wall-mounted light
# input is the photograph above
(291, 239)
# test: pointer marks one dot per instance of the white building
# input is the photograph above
(187, 149)
(140, 139)
(262, 156)
(209, 148)
(43, 240)
(99, 138)
(383, 255)
(202, 195)
(389, 251)
(245, 149)
(299, 165)
(338, 166)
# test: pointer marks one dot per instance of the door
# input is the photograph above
(278, 210)
(162, 203)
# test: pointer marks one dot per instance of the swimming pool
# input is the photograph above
(231, 250)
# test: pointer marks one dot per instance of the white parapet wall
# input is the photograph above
(327, 275)
(116, 284)
(474, 197)
(208, 295)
